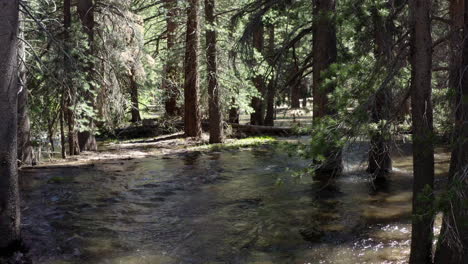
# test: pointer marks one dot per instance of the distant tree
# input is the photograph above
(258, 105)
(135, 104)
(170, 81)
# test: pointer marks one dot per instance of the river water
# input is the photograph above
(219, 207)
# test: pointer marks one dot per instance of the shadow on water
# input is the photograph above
(221, 207)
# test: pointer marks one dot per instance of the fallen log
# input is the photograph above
(262, 130)
(252, 130)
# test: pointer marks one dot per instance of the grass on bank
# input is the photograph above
(236, 144)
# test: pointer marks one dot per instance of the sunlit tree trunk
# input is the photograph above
(25, 149)
(216, 119)
(423, 149)
(192, 112)
(9, 194)
(453, 240)
(170, 81)
(86, 139)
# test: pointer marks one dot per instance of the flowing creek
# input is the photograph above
(217, 207)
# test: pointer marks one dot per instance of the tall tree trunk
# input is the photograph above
(325, 54)
(423, 149)
(135, 111)
(257, 117)
(380, 162)
(216, 119)
(25, 149)
(453, 241)
(9, 193)
(271, 89)
(86, 139)
(70, 96)
(192, 112)
(170, 82)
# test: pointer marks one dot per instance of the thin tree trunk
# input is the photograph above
(25, 149)
(86, 139)
(257, 117)
(453, 240)
(62, 131)
(191, 87)
(135, 111)
(271, 89)
(423, 149)
(74, 148)
(170, 82)
(216, 119)
(9, 193)
(325, 54)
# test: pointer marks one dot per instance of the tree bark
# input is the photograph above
(170, 82)
(325, 54)
(216, 119)
(86, 139)
(191, 87)
(453, 241)
(423, 149)
(9, 193)
(380, 162)
(296, 95)
(25, 149)
(135, 111)
(257, 117)
(70, 101)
